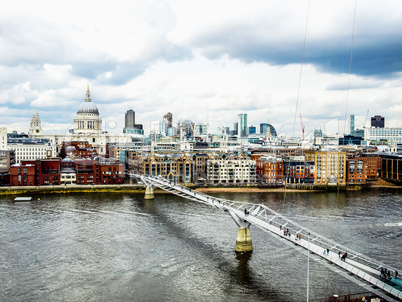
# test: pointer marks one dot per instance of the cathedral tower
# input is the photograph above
(35, 127)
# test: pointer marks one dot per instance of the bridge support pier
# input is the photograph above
(149, 193)
(243, 241)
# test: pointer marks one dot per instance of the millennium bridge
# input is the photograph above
(246, 214)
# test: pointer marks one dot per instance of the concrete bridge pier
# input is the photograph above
(149, 192)
(244, 243)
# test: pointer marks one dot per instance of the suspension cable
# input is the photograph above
(301, 68)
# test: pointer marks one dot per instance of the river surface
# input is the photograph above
(105, 247)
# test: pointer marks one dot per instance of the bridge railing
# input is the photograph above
(272, 217)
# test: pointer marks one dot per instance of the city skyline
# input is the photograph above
(205, 62)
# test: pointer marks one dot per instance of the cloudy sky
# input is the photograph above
(204, 61)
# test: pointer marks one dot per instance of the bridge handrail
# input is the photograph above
(260, 211)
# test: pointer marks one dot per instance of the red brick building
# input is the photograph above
(48, 171)
(270, 170)
(110, 172)
(86, 171)
(363, 168)
(23, 175)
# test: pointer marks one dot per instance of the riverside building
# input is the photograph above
(330, 167)
(236, 170)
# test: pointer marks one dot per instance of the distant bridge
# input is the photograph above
(261, 216)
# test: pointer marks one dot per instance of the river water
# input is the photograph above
(103, 247)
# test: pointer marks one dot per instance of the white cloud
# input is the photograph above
(45, 99)
(189, 58)
(16, 94)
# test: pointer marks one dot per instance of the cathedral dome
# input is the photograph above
(88, 107)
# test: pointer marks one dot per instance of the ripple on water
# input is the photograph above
(118, 246)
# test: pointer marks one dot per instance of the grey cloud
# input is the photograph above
(375, 53)
(354, 84)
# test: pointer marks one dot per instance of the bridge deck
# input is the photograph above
(269, 220)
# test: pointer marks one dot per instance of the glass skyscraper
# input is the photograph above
(242, 124)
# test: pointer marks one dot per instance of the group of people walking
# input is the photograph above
(386, 274)
(287, 233)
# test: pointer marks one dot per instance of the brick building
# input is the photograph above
(23, 174)
(174, 167)
(270, 170)
(391, 168)
(48, 171)
(330, 166)
(110, 172)
(363, 168)
(67, 171)
(299, 171)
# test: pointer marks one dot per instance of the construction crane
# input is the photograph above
(365, 121)
(301, 121)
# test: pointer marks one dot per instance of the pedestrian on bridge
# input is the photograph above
(344, 256)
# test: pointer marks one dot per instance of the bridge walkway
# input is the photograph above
(269, 220)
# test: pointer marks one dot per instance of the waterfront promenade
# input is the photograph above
(139, 188)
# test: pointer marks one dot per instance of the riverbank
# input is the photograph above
(136, 188)
(66, 189)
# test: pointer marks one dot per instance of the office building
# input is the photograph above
(129, 119)
(263, 128)
(352, 124)
(129, 124)
(242, 125)
(377, 121)
(390, 135)
(31, 148)
(268, 130)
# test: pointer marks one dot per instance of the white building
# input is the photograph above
(231, 171)
(87, 127)
(389, 134)
(25, 148)
(29, 149)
